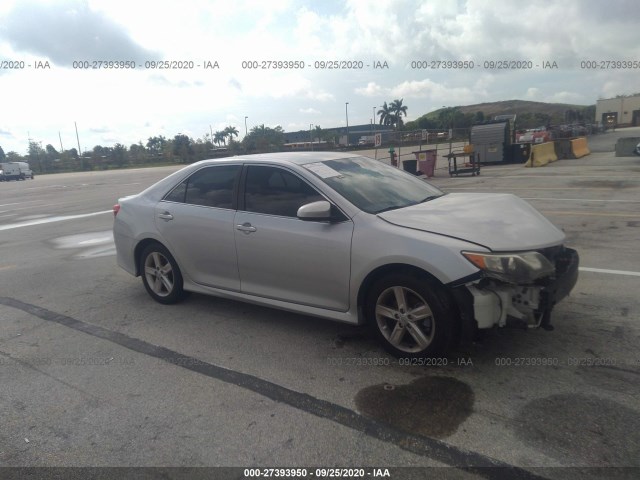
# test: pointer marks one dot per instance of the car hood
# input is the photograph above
(500, 222)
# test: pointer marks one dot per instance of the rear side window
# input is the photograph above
(208, 187)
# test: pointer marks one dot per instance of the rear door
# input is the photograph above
(283, 257)
(196, 222)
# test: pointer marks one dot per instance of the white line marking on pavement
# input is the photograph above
(614, 272)
(579, 200)
(18, 203)
(591, 214)
(11, 226)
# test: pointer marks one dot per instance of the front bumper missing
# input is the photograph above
(487, 303)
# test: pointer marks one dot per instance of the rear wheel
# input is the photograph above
(410, 315)
(161, 275)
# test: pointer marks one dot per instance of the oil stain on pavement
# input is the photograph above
(583, 429)
(431, 406)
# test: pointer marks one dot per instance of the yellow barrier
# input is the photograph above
(579, 147)
(541, 155)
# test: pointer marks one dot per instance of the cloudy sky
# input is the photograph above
(130, 105)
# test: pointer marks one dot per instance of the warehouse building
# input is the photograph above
(619, 112)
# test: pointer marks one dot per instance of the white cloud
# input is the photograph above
(532, 93)
(371, 90)
(565, 97)
(308, 110)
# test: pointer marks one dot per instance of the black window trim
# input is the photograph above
(241, 191)
(234, 194)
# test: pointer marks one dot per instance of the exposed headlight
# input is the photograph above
(522, 267)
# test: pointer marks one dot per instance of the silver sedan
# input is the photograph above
(347, 238)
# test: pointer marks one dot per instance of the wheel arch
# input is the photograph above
(389, 269)
(411, 270)
(137, 252)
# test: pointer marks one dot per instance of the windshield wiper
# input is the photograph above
(395, 207)
(392, 207)
(431, 197)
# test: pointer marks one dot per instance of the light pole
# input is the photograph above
(311, 135)
(245, 126)
(373, 119)
(346, 112)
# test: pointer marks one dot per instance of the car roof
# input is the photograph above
(298, 158)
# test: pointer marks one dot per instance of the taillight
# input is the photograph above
(116, 209)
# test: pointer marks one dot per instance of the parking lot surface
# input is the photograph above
(95, 373)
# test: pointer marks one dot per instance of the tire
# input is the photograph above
(161, 275)
(422, 328)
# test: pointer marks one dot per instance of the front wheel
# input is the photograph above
(161, 275)
(410, 316)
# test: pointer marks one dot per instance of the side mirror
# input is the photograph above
(315, 211)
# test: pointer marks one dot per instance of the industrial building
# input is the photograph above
(621, 111)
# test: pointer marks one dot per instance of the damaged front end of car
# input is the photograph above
(516, 289)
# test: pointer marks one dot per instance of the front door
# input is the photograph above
(283, 257)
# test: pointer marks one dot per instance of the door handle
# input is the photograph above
(165, 216)
(246, 228)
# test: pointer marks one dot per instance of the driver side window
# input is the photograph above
(276, 191)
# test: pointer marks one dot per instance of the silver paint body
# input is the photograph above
(314, 267)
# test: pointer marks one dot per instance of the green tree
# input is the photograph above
(182, 147)
(450, 117)
(230, 132)
(37, 157)
(386, 115)
(156, 144)
(2, 155)
(137, 153)
(119, 155)
(398, 110)
(319, 134)
(264, 139)
(15, 157)
(219, 137)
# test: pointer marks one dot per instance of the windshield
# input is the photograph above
(373, 186)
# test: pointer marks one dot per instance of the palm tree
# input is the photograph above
(219, 137)
(230, 132)
(398, 110)
(386, 115)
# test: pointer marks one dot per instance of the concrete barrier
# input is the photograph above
(626, 145)
(579, 147)
(563, 148)
(541, 155)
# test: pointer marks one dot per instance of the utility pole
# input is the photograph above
(78, 139)
(346, 112)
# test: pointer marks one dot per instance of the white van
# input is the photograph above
(15, 171)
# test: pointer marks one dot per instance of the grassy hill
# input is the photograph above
(520, 107)
(529, 114)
